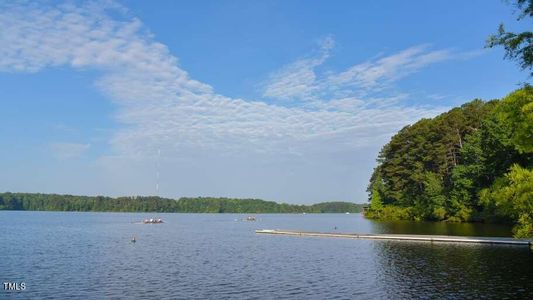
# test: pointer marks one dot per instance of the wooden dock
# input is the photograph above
(405, 237)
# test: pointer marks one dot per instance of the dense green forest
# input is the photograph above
(53, 202)
(472, 163)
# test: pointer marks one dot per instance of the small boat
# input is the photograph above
(152, 221)
(250, 218)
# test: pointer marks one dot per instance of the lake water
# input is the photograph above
(218, 256)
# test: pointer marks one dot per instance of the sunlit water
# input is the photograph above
(218, 256)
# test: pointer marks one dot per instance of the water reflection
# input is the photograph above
(441, 228)
(445, 270)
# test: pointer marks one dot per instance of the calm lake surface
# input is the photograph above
(218, 256)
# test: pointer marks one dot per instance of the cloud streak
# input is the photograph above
(379, 73)
(161, 106)
(164, 107)
(299, 81)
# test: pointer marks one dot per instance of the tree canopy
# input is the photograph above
(518, 46)
(461, 165)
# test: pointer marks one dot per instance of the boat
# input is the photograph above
(250, 218)
(152, 221)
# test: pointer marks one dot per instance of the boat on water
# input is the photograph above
(250, 218)
(152, 221)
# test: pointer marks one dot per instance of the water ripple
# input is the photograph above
(89, 255)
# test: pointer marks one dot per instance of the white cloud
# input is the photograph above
(160, 106)
(379, 73)
(300, 81)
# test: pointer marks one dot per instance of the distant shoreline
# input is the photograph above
(196, 213)
(150, 204)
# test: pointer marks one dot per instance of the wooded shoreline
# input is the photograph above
(55, 202)
(472, 163)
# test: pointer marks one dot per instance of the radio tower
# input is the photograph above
(157, 172)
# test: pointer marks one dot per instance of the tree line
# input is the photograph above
(472, 163)
(55, 202)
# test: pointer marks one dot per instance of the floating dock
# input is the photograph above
(405, 237)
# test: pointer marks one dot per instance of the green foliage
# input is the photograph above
(473, 162)
(518, 46)
(516, 113)
(437, 168)
(26, 201)
(433, 197)
(512, 196)
(376, 202)
(416, 166)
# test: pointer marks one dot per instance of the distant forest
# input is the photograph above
(54, 202)
(472, 163)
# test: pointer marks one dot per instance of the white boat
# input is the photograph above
(152, 221)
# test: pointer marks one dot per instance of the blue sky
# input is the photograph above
(282, 100)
